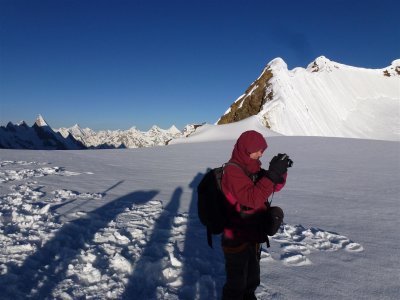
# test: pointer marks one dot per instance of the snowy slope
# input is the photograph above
(208, 132)
(122, 224)
(328, 99)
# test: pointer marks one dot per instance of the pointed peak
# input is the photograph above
(22, 123)
(322, 59)
(277, 61)
(155, 127)
(174, 129)
(10, 124)
(322, 63)
(40, 121)
(277, 64)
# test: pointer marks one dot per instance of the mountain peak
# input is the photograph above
(322, 63)
(40, 121)
(393, 69)
(277, 62)
(155, 128)
(22, 123)
(396, 63)
(326, 99)
(174, 130)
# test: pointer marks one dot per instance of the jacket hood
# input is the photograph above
(248, 142)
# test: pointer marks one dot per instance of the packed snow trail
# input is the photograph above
(130, 246)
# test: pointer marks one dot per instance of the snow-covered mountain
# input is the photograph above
(325, 99)
(42, 136)
(131, 138)
(39, 136)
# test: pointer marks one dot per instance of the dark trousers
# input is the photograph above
(242, 273)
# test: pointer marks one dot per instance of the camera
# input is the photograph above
(288, 160)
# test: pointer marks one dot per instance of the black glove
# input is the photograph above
(262, 173)
(277, 167)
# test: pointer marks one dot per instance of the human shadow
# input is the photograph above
(148, 272)
(45, 268)
(200, 261)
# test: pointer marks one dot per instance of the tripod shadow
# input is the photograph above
(148, 273)
(44, 269)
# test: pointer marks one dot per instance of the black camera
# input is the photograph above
(289, 161)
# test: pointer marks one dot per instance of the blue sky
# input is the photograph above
(117, 64)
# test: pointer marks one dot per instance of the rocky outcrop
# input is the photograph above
(252, 101)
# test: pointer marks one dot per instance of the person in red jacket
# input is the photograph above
(247, 187)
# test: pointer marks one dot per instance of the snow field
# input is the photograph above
(127, 247)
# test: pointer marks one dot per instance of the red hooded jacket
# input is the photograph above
(239, 189)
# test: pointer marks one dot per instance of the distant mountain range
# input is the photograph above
(131, 138)
(39, 136)
(325, 99)
(42, 136)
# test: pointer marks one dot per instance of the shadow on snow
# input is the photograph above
(44, 269)
(148, 269)
(202, 270)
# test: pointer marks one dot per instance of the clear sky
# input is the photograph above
(117, 64)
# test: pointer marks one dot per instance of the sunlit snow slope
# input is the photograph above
(208, 132)
(330, 99)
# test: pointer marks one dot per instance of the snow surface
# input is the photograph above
(122, 224)
(208, 132)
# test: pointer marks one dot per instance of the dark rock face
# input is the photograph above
(252, 101)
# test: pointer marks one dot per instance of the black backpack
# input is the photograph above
(213, 208)
(212, 204)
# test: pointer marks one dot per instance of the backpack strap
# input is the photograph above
(237, 165)
(209, 237)
(219, 181)
(252, 178)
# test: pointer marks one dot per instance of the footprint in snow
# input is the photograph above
(16, 173)
(21, 163)
(297, 243)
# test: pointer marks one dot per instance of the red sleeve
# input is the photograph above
(236, 183)
(280, 186)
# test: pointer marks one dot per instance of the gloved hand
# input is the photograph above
(261, 173)
(277, 167)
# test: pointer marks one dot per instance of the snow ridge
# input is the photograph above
(325, 99)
